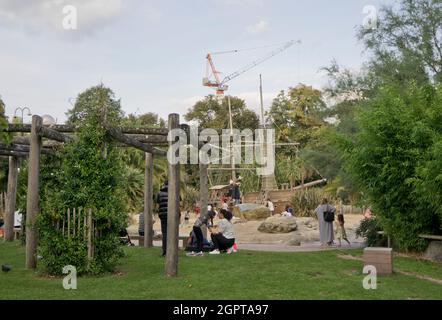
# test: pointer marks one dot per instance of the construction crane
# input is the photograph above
(220, 84)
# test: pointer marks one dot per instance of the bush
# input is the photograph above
(368, 229)
(306, 201)
(396, 161)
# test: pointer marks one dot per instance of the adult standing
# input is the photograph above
(326, 234)
(162, 200)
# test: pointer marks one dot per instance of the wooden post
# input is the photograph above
(89, 236)
(148, 199)
(204, 192)
(173, 207)
(32, 206)
(11, 199)
(69, 222)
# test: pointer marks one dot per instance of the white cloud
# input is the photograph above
(258, 28)
(41, 15)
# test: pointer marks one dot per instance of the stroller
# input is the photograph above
(192, 244)
(125, 239)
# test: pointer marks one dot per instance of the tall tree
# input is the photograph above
(408, 40)
(210, 113)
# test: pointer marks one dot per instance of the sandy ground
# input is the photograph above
(248, 236)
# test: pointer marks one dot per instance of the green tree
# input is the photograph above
(395, 160)
(210, 113)
(89, 175)
(407, 42)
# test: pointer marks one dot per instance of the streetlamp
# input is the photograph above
(22, 110)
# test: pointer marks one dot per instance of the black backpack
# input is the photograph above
(329, 216)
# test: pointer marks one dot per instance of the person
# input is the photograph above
(237, 193)
(223, 238)
(271, 206)
(325, 227)
(202, 220)
(141, 224)
(287, 212)
(341, 234)
(186, 217)
(162, 199)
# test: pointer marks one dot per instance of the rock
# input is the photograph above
(251, 211)
(434, 251)
(278, 225)
(294, 242)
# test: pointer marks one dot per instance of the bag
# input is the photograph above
(329, 216)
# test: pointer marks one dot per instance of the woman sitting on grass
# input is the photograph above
(223, 236)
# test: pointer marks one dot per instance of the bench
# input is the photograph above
(434, 249)
(380, 258)
(159, 237)
(17, 233)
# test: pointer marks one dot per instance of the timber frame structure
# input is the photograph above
(144, 139)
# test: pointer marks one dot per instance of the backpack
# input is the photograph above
(329, 216)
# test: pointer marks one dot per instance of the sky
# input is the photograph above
(152, 53)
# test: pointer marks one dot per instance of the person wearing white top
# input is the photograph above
(271, 207)
(223, 238)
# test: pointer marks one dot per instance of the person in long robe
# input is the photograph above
(326, 233)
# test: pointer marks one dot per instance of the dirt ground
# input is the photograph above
(247, 231)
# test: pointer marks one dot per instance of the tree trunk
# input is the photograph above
(11, 199)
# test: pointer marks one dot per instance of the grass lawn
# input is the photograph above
(244, 275)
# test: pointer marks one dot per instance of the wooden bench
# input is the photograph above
(380, 258)
(159, 237)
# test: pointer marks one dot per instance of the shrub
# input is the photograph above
(305, 201)
(368, 229)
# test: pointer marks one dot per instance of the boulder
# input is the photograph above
(294, 242)
(434, 251)
(251, 211)
(278, 225)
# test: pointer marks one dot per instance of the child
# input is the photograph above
(340, 230)
(203, 219)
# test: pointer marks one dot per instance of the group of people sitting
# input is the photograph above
(222, 234)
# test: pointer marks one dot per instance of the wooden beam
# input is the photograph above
(21, 148)
(11, 153)
(173, 208)
(53, 134)
(27, 141)
(66, 128)
(153, 139)
(148, 201)
(32, 207)
(117, 134)
(11, 199)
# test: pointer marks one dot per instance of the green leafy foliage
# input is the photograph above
(86, 173)
(368, 230)
(396, 158)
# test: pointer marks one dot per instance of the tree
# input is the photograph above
(88, 175)
(3, 123)
(210, 113)
(409, 36)
(395, 160)
(297, 114)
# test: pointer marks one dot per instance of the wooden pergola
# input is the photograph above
(144, 139)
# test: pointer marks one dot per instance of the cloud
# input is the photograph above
(258, 28)
(43, 15)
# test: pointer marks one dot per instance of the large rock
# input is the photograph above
(278, 225)
(251, 211)
(434, 251)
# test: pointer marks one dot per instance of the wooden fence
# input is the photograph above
(79, 223)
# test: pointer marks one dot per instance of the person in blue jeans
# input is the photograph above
(203, 219)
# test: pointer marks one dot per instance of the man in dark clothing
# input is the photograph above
(162, 199)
